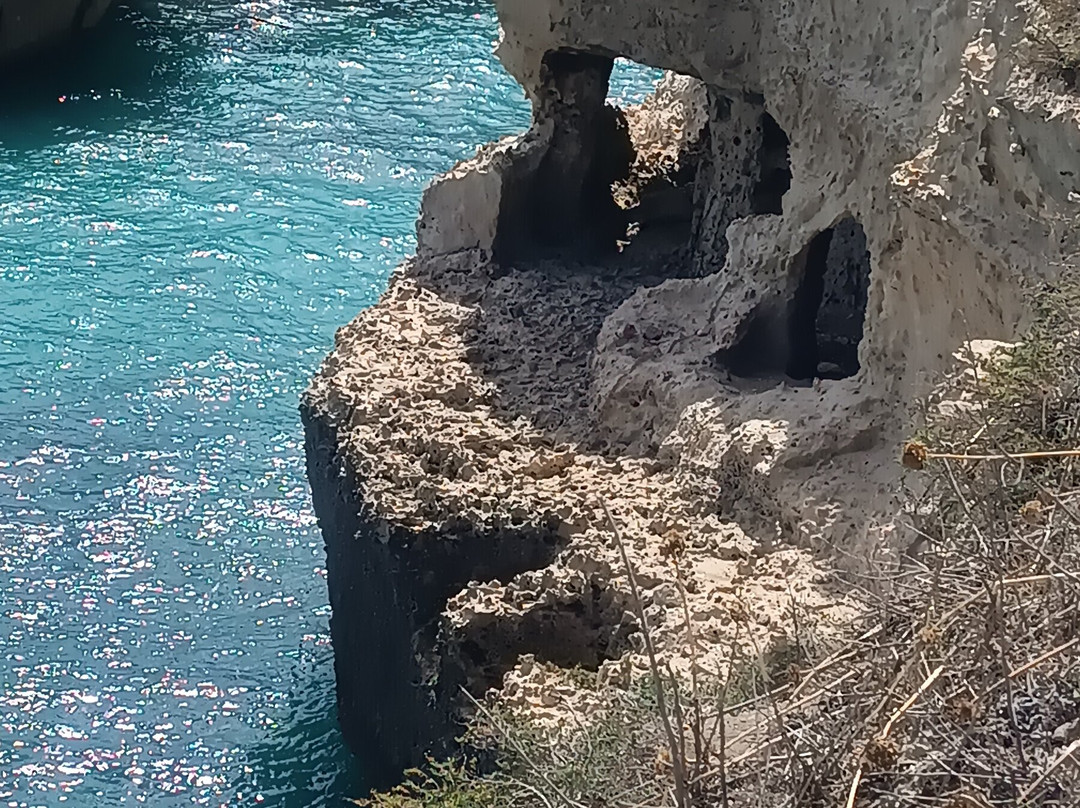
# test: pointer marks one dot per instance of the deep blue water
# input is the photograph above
(191, 202)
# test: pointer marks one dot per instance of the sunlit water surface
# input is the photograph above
(189, 205)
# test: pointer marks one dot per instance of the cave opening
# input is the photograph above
(774, 161)
(815, 333)
(650, 178)
(617, 175)
(561, 205)
(570, 209)
(825, 322)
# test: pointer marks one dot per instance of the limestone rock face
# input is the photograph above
(26, 25)
(709, 317)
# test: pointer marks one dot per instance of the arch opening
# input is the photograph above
(653, 184)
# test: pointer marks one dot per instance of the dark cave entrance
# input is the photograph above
(774, 178)
(570, 208)
(638, 184)
(562, 207)
(825, 322)
(816, 333)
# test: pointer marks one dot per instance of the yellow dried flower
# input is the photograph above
(915, 455)
(1032, 512)
(930, 635)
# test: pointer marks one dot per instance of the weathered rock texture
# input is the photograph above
(828, 201)
(28, 25)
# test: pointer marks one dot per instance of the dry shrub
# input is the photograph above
(443, 784)
(617, 756)
(966, 689)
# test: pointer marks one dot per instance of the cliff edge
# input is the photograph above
(710, 316)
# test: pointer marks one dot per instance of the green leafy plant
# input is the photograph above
(444, 784)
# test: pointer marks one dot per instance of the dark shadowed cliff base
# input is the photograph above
(29, 27)
(399, 680)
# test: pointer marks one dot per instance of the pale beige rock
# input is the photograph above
(493, 389)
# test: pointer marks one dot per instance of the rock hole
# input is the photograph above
(815, 333)
(611, 179)
(654, 184)
(775, 167)
(745, 171)
(565, 207)
(825, 319)
(668, 132)
(581, 631)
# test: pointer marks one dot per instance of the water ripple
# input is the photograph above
(191, 204)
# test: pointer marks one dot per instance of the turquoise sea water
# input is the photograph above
(191, 202)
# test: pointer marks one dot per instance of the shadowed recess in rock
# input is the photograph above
(745, 170)
(816, 333)
(775, 177)
(614, 184)
(827, 313)
(571, 205)
(596, 188)
(581, 632)
(565, 207)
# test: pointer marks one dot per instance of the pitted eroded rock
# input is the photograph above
(830, 201)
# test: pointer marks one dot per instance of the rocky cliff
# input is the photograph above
(710, 316)
(27, 25)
